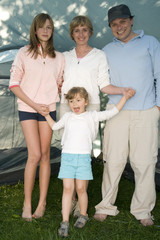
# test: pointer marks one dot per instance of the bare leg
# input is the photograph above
(81, 188)
(31, 134)
(77, 208)
(45, 169)
(74, 192)
(68, 188)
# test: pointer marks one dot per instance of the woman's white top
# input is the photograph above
(90, 72)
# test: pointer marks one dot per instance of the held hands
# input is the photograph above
(45, 110)
(42, 109)
(128, 93)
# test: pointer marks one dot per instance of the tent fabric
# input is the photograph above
(13, 152)
(8, 56)
(15, 20)
(12, 164)
(16, 17)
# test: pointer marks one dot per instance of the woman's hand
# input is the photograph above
(60, 86)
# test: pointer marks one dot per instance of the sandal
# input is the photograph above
(63, 230)
(81, 221)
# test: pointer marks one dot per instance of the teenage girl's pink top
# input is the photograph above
(38, 78)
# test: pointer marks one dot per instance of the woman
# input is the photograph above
(86, 66)
(35, 75)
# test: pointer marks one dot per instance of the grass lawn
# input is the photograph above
(122, 227)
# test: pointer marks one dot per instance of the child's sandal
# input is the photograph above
(63, 230)
(81, 221)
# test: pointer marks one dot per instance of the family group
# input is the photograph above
(128, 71)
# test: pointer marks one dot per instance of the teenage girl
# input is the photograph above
(35, 75)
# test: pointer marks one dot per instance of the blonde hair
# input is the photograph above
(80, 21)
(38, 22)
(77, 90)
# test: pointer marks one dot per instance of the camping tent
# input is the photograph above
(15, 19)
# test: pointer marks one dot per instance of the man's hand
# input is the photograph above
(128, 93)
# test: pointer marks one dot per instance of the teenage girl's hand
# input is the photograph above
(41, 109)
(45, 109)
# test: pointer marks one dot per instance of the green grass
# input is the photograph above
(121, 227)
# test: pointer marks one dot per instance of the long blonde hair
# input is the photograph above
(39, 21)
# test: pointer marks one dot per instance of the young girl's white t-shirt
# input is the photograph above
(80, 130)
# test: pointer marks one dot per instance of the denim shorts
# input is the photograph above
(77, 166)
(35, 116)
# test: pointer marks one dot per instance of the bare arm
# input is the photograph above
(124, 99)
(21, 95)
(50, 121)
(121, 103)
(113, 90)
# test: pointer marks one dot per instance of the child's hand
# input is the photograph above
(127, 94)
(130, 93)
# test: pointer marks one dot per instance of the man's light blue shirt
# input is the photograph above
(135, 64)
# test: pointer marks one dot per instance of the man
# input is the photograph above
(134, 61)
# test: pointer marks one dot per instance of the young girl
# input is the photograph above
(80, 129)
(35, 74)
